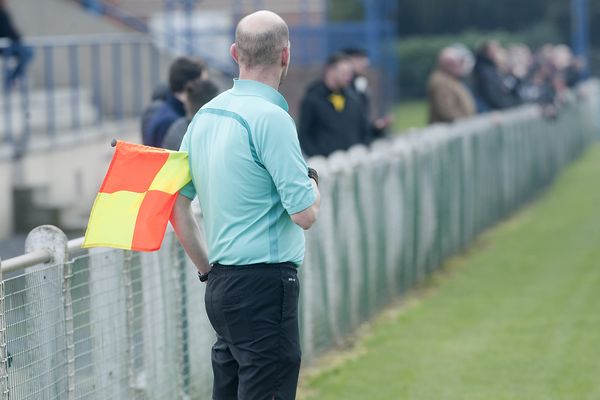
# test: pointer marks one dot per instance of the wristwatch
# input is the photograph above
(312, 174)
(203, 277)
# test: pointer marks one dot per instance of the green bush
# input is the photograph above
(418, 54)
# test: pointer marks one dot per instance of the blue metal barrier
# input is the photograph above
(77, 82)
(580, 30)
(49, 76)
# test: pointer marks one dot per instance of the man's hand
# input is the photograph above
(383, 122)
(306, 218)
(188, 233)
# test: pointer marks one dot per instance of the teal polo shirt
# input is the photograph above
(249, 174)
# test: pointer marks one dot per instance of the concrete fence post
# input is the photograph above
(108, 323)
(46, 304)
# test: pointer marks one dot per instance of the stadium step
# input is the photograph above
(37, 110)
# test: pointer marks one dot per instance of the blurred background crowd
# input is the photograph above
(335, 112)
(497, 77)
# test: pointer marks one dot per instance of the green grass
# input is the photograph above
(516, 318)
(409, 114)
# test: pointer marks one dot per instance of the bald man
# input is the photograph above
(257, 195)
(448, 97)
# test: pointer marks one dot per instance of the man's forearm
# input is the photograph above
(306, 218)
(188, 233)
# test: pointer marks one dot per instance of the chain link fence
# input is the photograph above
(115, 324)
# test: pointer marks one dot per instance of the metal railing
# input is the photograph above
(42, 256)
(112, 324)
(75, 82)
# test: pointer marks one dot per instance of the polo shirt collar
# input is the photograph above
(255, 88)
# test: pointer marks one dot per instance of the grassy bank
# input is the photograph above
(409, 114)
(516, 318)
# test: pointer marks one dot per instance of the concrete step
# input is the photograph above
(17, 98)
(36, 110)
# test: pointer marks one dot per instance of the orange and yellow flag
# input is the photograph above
(135, 200)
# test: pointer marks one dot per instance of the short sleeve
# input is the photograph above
(279, 150)
(189, 190)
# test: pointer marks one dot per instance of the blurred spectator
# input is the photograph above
(197, 93)
(360, 67)
(519, 60)
(568, 69)
(182, 71)
(520, 67)
(575, 72)
(448, 97)
(467, 60)
(332, 116)
(541, 77)
(360, 84)
(562, 57)
(159, 96)
(21, 53)
(494, 87)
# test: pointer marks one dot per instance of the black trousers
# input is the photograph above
(254, 311)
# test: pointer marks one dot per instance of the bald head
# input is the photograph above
(447, 56)
(259, 38)
(449, 60)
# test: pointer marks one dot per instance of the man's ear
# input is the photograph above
(285, 56)
(234, 53)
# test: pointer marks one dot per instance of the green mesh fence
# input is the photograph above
(122, 325)
(390, 216)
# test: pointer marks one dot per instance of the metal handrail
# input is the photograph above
(71, 40)
(105, 38)
(39, 257)
(25, 260)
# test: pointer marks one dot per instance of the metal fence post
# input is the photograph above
(49, 77)
(69, 329)
(129, 314)
(595, 100)
(9, 135)
(181, 325)
(580, 31)
(45, 296)
(4, 394)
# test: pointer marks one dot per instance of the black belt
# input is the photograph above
(217, 267)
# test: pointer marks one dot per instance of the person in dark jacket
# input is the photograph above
(491, 85)
(332, 116)
(159, 95)
(360, 84)
(16, 49)
(182, 71)
(197, 94)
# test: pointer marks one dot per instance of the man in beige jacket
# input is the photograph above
(448, 98)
